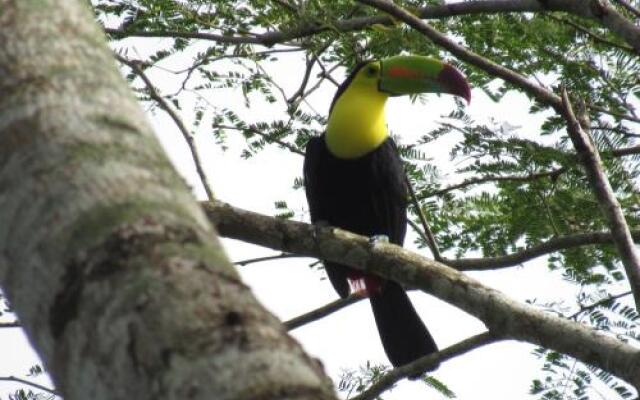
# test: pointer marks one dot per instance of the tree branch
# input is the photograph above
(596, 10)
(609, 205)
(428, 234)
(635, 11)
(506, 261)
(135, 296)
(615, 114)
(592, 35)
(14, 324)
(504, 317)
(599, 303)
(425, 364)
(624, 151)
(553, 174)
(322, 312)
(262, 39)
(550, 246)
(418, 230)
(497, 178)
(12, 378)
(164, 105)
(243, 263)
(311, 60)
(266, 137)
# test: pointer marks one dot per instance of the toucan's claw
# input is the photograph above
(377, 239)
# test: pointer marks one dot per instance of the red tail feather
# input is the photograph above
(366, 284)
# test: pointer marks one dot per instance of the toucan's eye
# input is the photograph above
(372, 70)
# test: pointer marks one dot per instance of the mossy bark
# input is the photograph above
(113, 269)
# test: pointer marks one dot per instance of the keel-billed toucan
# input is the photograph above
(354, 180)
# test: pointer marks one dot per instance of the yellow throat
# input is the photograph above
(357, 123)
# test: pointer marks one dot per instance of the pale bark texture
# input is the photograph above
(110, 264)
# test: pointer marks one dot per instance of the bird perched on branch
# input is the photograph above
(355, 180)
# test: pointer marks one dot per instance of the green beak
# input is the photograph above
(403, 75)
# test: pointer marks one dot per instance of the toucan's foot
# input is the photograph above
(377, 239)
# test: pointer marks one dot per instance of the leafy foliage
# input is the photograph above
(438, 385)
(353, 382)
(567, 378)
(22, 394)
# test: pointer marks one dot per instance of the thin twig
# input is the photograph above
(327, 73)
(624, 151)
(609, 205)
(321, 77)
(613, 93)
(547, 209)
(598, 304)
(635, 11)
(12, 378)
(305, 79)
(266, 137)
(425, 363)
(322, 311)
(431, 240)
(188, 137)
(14, 324)
(539, 250)
(206, 58)
(291, 8)
(615, 114)
(592, 35)
(302, 92)
(568, 378)
(620, 130)
(418, 230)
(242, 263)
(554, 173)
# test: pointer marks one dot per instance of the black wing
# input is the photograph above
(312, 171)
(390, 202)
(316, 188)
(367, 196)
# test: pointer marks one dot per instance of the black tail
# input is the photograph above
(338, 276)
(404, 336)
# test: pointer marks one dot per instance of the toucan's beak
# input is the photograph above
(417, 74)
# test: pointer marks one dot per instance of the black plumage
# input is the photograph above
(368, 196)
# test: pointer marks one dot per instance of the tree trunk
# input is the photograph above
(115, 273)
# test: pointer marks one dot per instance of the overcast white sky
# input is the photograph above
(346, 339)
